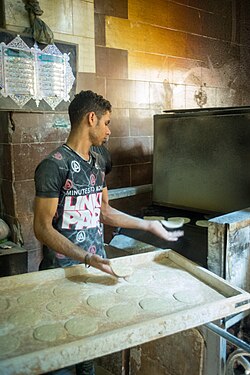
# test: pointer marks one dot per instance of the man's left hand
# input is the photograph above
(158, 229)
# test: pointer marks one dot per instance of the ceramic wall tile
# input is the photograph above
(211, 96)
(185, 71)
(184, 19)
(35, 257)
(141, 172)
(86, 51)
(128, 94)
(209, 5)
(244, 37)
(15, 13)
(141, 122)
(120, 122)
(86, 62)
(160, 95)
(2, 15)
(39, 127)
(7, 198)
(190, 97)
(58, 15)
(112, 63)
(4, 124)
(154, 13)
(100, 38)
(132, 205)
(130, 150)
(178, 97)
(145, 66)
(26, 157)
(119, 177)
(6, 161)
(116, 8)
(244, 8)
(26, 234)
(219, 27)
(218, 53)
(226, 97)
(24, 193)
(83, 18)
(195, 48)
(118, 92)
(89, 81)
(144, 37)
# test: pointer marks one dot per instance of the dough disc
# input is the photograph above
(62, 305)
(131, 290)
(81, 326)
(122, 312)
(99, 301)
(172, 224)
(189, 297)
(153, 217)
(202, 223)
(36, 296)
(176, 218)
(50, 332)
(120, 270)
(105, 280)
(154, 304)
(25, 317)
(69, 289)
(8, 344)
(140, 276)
(4, 304)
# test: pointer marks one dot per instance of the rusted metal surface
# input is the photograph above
(229, 247)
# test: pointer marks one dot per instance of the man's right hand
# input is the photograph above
(100, 263)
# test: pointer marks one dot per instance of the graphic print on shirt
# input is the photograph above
(82, 211)
(79, 207)
(75, 166)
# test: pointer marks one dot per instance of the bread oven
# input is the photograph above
(201, 172)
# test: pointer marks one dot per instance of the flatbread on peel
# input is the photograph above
(172, 224)
(153, 217)
(178, 218)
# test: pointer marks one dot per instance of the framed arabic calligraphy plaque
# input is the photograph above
(36, 77)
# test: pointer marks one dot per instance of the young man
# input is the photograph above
(72, 197)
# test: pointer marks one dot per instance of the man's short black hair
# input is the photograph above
(85, 102)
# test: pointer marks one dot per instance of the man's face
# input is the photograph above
(100, 132)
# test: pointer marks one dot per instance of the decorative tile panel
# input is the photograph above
(31, 73)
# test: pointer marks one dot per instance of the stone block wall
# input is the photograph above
(144, 57)
(25, 138)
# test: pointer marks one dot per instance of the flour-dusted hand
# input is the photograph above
(159, 230)
(98, 262)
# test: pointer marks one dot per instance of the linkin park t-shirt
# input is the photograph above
(78, 185)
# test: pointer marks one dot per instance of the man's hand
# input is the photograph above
(157, 229)
(100, 263)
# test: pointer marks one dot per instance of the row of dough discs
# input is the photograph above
(78, 306)
(177, 220)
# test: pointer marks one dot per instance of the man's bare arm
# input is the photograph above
(115, 218)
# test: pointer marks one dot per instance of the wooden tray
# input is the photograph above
(55, 318)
